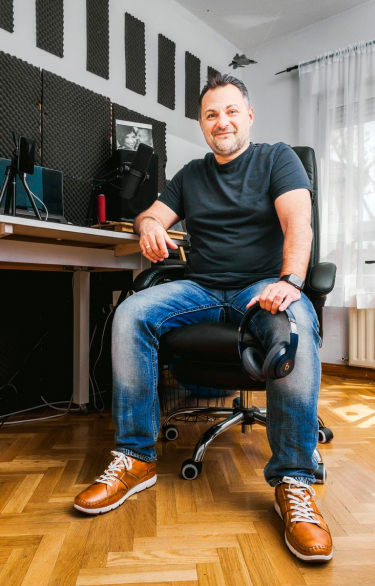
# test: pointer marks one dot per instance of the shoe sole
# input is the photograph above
(137, 488)
(305, 558)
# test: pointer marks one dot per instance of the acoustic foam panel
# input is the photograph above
(159, 131)
(98, 37)
(76, 127)
(166, 72)
(50, 26)
(76, 199)
(6, 15)
(20, 99)
(192, 85)
(135, 54)
(211, 72)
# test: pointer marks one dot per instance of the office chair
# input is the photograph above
(206, 354)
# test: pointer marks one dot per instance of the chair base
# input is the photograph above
(242, 413)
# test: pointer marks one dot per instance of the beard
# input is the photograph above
(228, 145)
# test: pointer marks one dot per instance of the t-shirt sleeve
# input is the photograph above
(287, 172)
(172, 196)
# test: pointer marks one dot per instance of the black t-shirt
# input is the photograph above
(236, 237)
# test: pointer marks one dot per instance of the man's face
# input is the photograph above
(143, 134)
(225, 120)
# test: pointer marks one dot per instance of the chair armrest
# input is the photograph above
(157, 275)
(320, 282)
(322, 279)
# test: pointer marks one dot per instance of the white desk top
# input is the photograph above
(33, 244)
(25, 228)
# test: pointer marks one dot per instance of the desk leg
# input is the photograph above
(145, 264)
(81, 341)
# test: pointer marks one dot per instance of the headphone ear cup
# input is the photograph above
(270, 362)
(252, 362)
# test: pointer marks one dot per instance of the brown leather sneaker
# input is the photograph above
(123, 477)
(306, 534)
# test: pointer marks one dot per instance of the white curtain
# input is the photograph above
(337, 119)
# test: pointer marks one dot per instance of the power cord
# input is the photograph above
(97, 360)
(43, 204)
(23, 364)
(4, 422)
(36, 197)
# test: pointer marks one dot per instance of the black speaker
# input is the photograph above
(118, 208)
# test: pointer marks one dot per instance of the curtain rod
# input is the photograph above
(316, 59)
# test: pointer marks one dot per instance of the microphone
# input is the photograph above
(136, 172)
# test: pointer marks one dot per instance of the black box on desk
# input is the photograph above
(118, 208)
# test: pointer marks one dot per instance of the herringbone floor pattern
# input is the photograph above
(220, 529)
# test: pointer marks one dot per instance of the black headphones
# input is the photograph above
(279, 362)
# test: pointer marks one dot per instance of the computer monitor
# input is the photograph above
(46, 184)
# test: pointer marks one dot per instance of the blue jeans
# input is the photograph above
(292, 423)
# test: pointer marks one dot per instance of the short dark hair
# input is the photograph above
(221, 80)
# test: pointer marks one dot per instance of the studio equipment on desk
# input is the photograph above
(129, 184)
(40, 196)
(22, 163)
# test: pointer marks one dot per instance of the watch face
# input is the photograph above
(294, 280)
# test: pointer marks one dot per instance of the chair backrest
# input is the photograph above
(168, 270)
(307, 156)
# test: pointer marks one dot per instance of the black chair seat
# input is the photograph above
(206, 354)
(212, 341)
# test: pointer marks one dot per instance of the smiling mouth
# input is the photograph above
(223, 133)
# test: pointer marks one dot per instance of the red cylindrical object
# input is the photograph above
(100, 208)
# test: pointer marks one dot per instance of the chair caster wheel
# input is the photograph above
(170, 432)
(236, 402)
(325, 435)
(83, 409)
(190, 469)
(320, 474)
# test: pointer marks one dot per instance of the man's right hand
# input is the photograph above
(154, 240)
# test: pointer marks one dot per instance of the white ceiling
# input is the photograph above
(248, 23)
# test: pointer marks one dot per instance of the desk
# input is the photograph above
(33, 245)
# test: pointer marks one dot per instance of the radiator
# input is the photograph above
(362, 337)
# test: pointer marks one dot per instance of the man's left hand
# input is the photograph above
(276, 297)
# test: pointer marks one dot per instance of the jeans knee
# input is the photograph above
(305, 314)
(130, 314)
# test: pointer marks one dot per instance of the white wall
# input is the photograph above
(276, 104)
(161, 16)
(275, 98)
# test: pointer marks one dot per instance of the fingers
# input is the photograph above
(252, 302)
(287, 301)
(276, 297)
(154, 246)
(150, 249)
(162, 247)
(170, 242)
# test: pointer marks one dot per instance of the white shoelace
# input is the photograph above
(301, 504)
(110, 475)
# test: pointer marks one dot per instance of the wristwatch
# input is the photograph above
(294, 280)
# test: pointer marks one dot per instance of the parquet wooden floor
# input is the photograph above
(220, 529)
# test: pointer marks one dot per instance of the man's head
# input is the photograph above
(144, 135)
(225, 116)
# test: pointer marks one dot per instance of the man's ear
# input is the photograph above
(251, 115)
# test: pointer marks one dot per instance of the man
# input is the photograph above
(145, 136)
(248, 212)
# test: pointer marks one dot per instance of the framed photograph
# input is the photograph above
(130, 134)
